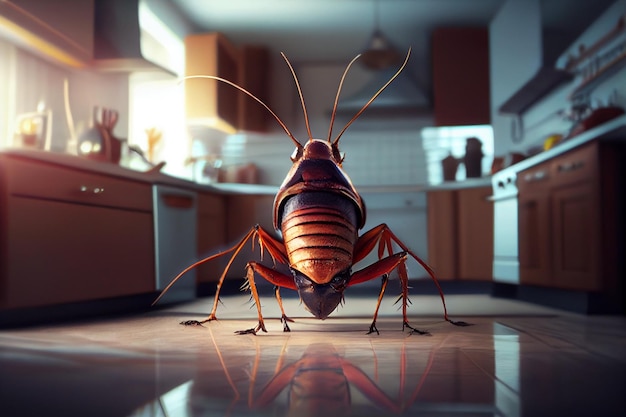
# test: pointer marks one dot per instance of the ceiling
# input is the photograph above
(333, 30)
(336, 30)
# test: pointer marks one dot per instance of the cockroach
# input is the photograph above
(320, 380)
(319, 213)
(318, 384)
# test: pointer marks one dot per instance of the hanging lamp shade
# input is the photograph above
(380, 53)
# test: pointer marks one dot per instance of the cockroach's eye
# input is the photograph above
(338, 156)
(296, 155)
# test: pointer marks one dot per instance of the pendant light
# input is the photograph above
(379, 53)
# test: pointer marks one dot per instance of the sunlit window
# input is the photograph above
(439, 142)
(157, 106)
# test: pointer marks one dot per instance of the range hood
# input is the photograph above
(402, 98)
(560, 24)
(129, 36)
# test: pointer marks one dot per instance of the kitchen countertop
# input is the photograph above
(84, 164)
(612, 130)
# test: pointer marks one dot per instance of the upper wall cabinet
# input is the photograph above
(461, 76)
(253, 76)
(62, 30)
(215, 104)
(208, 102)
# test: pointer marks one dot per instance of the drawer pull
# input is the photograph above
(572, 166)
(95, 190)
(536, 176)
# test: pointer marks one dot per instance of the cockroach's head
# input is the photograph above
(317, 149)
(321, 299)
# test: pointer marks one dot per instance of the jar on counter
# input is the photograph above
(473, 158)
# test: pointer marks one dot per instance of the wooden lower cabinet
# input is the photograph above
(72, 235)
(61, 252)
(576, 237)
(211, 235)
(568, 224)
(534, 230)
(460, 233)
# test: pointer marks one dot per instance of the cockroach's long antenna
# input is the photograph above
(343, 77)
(373, 97)
(295, 78)
(243, 90)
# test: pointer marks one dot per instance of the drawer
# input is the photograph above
(40, 180)
(535, 179)
(575, 166)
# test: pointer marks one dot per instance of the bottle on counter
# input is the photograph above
(473, 158)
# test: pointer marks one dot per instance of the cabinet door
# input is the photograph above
(576, 233)
(442, 234)
(475, 234)
(534, 238)
(253, 76)
(63, 252)
(211, 235)
(461, 76)
(209, 102)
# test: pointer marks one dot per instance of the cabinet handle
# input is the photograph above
(535, 176)
(94, 190)
(572, 166)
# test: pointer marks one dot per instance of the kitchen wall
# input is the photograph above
(517, 27)
(28, 80)
(378, 151)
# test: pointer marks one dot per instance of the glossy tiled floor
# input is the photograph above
(516, 360)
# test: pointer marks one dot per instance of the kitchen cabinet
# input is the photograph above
(211, 103)
(71, 235)
(211, 236)
(460, 233)
(569, 227)
(253, 76)
(461, 91)
(60, 30)
(244, 212)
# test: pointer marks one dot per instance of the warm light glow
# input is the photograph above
(28, 126)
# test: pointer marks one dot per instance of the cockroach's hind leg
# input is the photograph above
(373, 328)
(414, 330)
(284, 320)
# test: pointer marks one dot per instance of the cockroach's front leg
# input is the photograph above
(283, 318)
(255, 295)
(275, 277)
(382, 268)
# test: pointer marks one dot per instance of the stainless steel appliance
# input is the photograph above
(175, 214)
